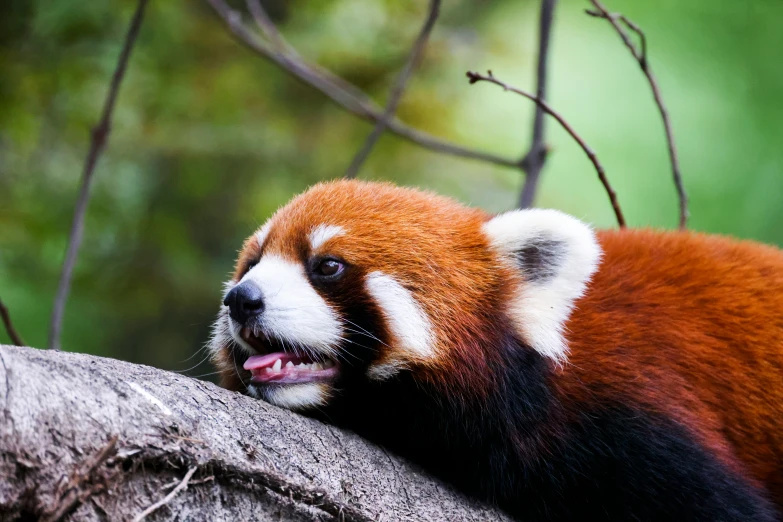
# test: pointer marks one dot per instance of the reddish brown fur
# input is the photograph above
(690, 325)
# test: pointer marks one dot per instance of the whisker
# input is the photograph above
(345, 361)
(367, 333)
(233, 360)
(358, 332)
(204, 375)
(205, 347)
(344, 353)
(368, 348)
(202, 361)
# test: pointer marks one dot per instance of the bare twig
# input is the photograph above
(476, 77)
(640, 54)
(9, 326)
(74, 492)
(165, 500)
(342, 92)
(268, 27)
(100, 134)
(397, 91)
(533, 161)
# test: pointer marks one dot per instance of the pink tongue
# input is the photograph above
(262, 361)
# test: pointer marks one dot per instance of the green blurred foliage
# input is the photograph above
(208, 139)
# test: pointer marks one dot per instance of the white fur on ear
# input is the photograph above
(557, 255)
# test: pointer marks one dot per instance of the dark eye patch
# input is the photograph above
(540, 259)
(249, 265)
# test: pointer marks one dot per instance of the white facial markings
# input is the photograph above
(323, 233)
(408, 323)
(296, 396)
(294, 312)
(566, 253)
(383, 371)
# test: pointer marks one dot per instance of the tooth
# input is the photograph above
(268, 369)
(289, 364)
(278, 364)
(328, 364)
(302, 365)
(317, 366)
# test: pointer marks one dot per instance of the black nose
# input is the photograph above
(244, 301)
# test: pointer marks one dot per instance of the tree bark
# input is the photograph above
(86, 438)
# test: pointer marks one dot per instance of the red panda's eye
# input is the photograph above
(329, 267)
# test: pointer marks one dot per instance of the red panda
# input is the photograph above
(558, 372)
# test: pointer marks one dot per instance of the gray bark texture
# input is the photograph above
(92, 439)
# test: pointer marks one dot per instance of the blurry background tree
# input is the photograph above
(208, 139)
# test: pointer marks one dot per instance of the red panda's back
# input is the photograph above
(690, 325)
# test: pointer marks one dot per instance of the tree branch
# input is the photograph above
(258, 461)
(100, 134)
(397, 91)
(640, 54)
(533, 161)
(9, 326)
(476, 77)
(268, 27)
(342, 92)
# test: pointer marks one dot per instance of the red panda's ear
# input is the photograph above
(556, 254)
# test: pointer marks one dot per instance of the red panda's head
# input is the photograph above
(357, 281)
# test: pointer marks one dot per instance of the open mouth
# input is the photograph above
(281, 367)
(287, 368)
